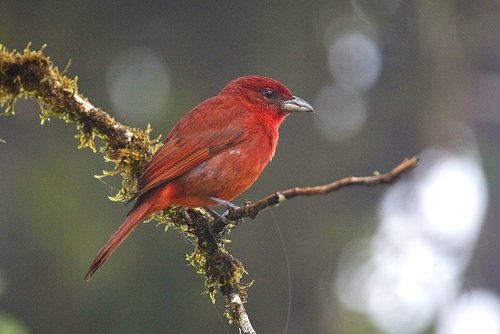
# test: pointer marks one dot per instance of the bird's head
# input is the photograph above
(267, 94)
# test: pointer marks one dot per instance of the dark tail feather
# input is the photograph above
(134, 218)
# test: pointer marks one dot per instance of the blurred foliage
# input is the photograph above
(10, 325)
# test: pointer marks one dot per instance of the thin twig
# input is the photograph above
(251, 210)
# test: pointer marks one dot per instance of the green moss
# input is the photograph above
(210, 259)
(31, 74)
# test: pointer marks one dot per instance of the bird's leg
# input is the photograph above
(220, 223)
(228, 205)
(221, 218)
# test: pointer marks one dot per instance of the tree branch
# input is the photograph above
(251, 210)
(31, 74)
(242, 316)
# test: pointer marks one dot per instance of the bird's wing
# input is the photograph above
(181, 154)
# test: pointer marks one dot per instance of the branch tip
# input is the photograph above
(251, 210)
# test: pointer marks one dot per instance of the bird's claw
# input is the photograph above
(221, 218)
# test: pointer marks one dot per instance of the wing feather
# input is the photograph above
(198, 136)
(180, 155)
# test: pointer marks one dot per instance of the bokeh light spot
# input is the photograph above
(138, 84)
(341, 112)
(354, 60)
(428, 229)
(453, 199)
(476, 311)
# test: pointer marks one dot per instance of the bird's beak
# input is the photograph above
(297, 104)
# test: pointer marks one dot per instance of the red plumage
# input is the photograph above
(216, 150)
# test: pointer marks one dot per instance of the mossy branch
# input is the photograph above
(31, 74)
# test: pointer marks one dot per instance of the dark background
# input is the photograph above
(388, 79)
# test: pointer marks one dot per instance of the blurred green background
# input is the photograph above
(388, 79)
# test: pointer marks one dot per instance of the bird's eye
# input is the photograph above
(269, 94)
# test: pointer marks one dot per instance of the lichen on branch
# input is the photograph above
(31, 74)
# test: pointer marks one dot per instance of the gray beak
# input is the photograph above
(296, 104)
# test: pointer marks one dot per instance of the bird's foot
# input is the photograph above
(221, 218)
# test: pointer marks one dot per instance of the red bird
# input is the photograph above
(217, 150)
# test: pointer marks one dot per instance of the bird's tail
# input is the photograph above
(140, 212)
